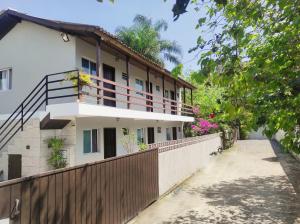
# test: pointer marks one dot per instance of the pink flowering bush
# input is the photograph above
(203, 126)
(196, 110)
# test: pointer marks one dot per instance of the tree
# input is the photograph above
(144, 37)
(255, 56)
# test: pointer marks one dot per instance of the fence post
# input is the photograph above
(46, 90)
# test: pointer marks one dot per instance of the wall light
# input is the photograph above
(65, 37)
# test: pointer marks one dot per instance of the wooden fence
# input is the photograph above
(110, 191)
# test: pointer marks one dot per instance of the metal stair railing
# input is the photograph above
(40, 96)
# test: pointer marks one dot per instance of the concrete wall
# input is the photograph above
(32, 51)
(178, 164)
(32, 145)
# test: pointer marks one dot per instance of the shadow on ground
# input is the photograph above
(253, 200)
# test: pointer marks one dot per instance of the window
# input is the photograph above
(139, 86)
(5, 79)
(90, 141)
(157, 88)
(124, 76)
(140, 135)
(168, 133)
(88, 66)
(159, 130)
(166, 94)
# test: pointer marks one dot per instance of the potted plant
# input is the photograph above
(84, 80)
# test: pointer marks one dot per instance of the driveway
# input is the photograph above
(252, 183)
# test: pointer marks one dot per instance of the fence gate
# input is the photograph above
(109, 191)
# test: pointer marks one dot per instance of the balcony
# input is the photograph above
(103, 97)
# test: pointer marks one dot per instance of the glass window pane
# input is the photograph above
(139, 85)
(140, 136)
(5, 79)
(85, 64)
(168, 133)
(87, 141)
(93, 68)
(94, 140)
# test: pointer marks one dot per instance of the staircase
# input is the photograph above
(52, 88)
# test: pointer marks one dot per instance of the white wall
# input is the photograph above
(257, 134)
(101, 123)
(178, 164)
(32, 51)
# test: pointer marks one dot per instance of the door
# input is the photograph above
(14, 166)
(110, 142)
(174, 130)
(149, 89)
(109, 74)
(173, 108)
(150, 135)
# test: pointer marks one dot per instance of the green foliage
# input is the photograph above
(143, 146)
(144, 36)
(254, 56)
(84, 79)
(128, 141)
(56, 159)
(177, 71)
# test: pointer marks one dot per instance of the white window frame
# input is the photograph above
(9, 79)
(98, 141)
(141, 84)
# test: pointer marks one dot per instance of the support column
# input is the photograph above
(183, 107)
(163, 90)
(99, 70)
(175, 97)
(192, 97)
(148, 91)
(127, 72)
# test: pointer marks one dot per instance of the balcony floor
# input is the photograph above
(77, 109)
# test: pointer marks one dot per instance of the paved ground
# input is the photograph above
(252, 183)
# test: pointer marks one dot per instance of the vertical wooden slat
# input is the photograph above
(35, 201)
(72, 201)
(94, 195)
(15, 195)
(83, 195)
(88, 195)
(44, 199)
(66, 197)
(25, 202)
(78, 196)
(58, 198)
(5, 202)
(102, 211)
(51, 199)
(110, 191)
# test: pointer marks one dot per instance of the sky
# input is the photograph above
(110, 16)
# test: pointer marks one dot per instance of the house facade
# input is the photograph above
(126, 95)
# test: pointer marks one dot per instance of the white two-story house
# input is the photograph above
(127, 94)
